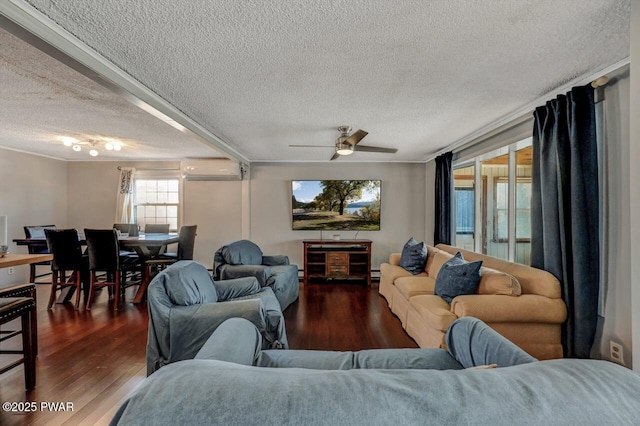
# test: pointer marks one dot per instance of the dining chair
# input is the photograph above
(156, 228)
(131, 229)
(37, 231)
(186, 244)
(128, 256)
(104, 256)
(64, 245)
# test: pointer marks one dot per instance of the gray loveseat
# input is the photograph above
(186, 306)
(244, 258)
(233, 381)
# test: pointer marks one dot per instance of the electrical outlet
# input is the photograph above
(10, 270)
(616, 352)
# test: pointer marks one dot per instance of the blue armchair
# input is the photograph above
(244, 258)
(186, 306)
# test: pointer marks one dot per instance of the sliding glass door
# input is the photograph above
(464, 207)
(492, 203)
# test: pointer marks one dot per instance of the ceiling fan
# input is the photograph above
(346, 144)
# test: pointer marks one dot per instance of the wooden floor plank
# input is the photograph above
(94, 359)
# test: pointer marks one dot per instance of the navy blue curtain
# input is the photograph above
(442, 232)
(564, 210)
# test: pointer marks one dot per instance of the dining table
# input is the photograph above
(146, 246)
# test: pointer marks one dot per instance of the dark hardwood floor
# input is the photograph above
(93, 359)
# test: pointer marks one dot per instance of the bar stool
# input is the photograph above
(24, 308)
(25, 290)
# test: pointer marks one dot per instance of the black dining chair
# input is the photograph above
(156, 228)
(131, 229)
(186, 244)
(103, 249)
(64, 245)
(128, 256)
(40, 247)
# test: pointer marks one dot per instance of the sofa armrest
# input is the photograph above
(237, 287)
(261, 272)
(191, 326)
(501, 308)
(394, 258)
(278, 259)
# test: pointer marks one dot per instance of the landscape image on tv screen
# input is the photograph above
(336, 205)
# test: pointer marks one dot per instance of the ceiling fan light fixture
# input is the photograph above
(343, 148)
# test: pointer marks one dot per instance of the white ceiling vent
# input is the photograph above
(216, 169)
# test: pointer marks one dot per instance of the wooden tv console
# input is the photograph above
(342, 259)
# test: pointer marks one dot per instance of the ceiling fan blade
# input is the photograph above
(336, 155)
(356, 137)
(365, 148)
(312, 146)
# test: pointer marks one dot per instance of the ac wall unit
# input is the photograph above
(215, 169)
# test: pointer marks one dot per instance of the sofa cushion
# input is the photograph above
(439, 259)
(242, 252)
(417, 284)
(497, 282)
(431, 254)
(433, 310)
(394, 272)
(414, 256)
(457, 277)
(532, 280)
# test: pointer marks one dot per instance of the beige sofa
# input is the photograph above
(520, 302)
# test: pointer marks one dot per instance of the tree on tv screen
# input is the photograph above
(336, 205)
(338, 193)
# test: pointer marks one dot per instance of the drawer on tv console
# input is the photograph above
(334, 258)
(337, 270)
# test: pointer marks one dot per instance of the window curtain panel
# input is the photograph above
(564, 210)
(124, 206)
(442, 232)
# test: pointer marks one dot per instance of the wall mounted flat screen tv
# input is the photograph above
(336, 205)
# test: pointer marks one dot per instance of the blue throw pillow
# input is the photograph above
(457, 277)
(414, 256)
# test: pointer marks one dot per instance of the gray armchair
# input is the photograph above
(244, 258)
(186, 306)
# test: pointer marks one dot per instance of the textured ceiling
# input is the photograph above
(416, 75)
(42, 100)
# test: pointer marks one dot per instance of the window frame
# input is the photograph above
(483, 180)
(483, 203)
(496, 237)
(159, 175)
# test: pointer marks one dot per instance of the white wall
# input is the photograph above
(430, 197)
(216, 207)
(33, 192)
(634, 179)
(402, 195)
(616, 324)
